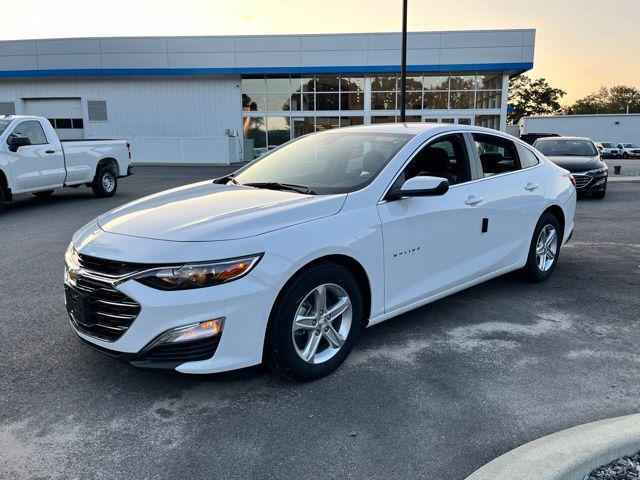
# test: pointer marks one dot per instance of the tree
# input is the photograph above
(532, 97)
(608, 100)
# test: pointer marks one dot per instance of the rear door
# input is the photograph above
(40, 165)
(514, 198)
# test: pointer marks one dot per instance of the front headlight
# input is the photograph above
(597, 171)
(198, 275)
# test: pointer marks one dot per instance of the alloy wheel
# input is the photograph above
(546, 247)
(322, 323)
(108, 182)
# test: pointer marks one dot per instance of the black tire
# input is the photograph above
(532, 270)
(600, 195)
(1, 198)
(280, 352)
(105, 188)
(625, 155)
(44, 194)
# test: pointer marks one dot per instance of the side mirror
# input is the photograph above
(420, 186)
(16, 142)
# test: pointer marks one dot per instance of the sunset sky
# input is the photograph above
(580, 44)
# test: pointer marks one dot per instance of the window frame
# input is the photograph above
(519, 168)
(521, 147)
(472, 162)
(37, 122)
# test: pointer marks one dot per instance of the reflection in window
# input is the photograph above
(488, 121)
(383, 101)
(327, 101)
(382, 83)
(327, 123)
(414, 84)
(351, 84)
(489, 81)
(383, 119)
(255, 133)
(413, 100)
(351, 121)
(352, 101)
(436, 83)
(461, 100)
(278, 85)
(303, 126)
(462, 82)
(436, 100)
(253, 85)
(278, 101)
(327, 83)
(253, 102)
(278, 131)
(488, 99)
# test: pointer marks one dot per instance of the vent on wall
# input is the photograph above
(97, 110)
(7, 108)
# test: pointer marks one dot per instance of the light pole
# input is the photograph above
(403, 68)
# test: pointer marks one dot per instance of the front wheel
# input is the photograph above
(105, 182)
(544, 249)
(600, 195)
(625, 155)
(314, 323)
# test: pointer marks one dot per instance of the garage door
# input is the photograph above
(65, 114)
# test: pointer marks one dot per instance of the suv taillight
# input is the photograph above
(572, 179)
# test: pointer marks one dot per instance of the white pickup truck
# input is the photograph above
(34, 160)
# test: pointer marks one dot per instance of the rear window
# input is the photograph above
(566, 147)
(608, 145)
(630, 145)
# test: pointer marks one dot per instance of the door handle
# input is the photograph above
(474, 199)
(50, 151)
(531, 186)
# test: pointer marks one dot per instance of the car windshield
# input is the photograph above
(3, 125)
(324, 163)
(608, 145)
(630, 145)
(555, 147)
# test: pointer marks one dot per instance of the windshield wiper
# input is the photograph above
(281, 186)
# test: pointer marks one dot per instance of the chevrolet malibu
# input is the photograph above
(289, 258)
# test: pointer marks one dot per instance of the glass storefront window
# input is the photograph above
(255, 132)
(278, 85)
(382, 83)
(278, 101)
(352, 84)
(439, 82)
(435, 100)
(383, 119)
(327, 101)
(252, 102)
(303, 126)
(351, 121)
(327, 83)
(488, 99)
(488, 121)
(352, 101)
(278, 131)
(413, 101)
(414, 84)
(383, 101)
(462, 82)
(460, 100)
(489, 81)
(327, 123)
(308, 84)
(253, 85)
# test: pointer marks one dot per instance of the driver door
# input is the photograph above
(433, 244)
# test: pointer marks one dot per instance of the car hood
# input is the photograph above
(577, 164)
(207, 211)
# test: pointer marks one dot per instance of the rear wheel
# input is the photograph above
(315, 323)
(544, 250)
(105, 182)
(44, 194)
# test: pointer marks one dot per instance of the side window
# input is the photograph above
(31, 130)
(446, 157)
(527, 157)
(497, 155)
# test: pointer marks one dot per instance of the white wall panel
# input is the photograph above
(18, 47)
(18, 62)
(133, 45)
(135, 60)
(268, 43)
(334, 42)
(202, 60)
(177, 109)
(200, 44)
(600, 128)
(481, 55)
(68, 46)
(325, 57)
(48, 62)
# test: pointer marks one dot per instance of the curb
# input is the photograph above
(567, 455)
(624, 179)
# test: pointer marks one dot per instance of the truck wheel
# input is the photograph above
(105, 182)
(44, 194)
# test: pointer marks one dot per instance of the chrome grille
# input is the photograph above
(582, 180)
(106, 312)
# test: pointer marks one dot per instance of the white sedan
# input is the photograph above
(288, 259)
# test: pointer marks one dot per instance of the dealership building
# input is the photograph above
(224, 99)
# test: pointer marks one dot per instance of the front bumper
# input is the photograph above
(245, 304)
(590, 183)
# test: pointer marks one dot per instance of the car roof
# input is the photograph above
(564, 138)
(414, 128)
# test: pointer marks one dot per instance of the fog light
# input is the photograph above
(196, 331)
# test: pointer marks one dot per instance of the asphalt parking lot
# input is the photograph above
(433, 394)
